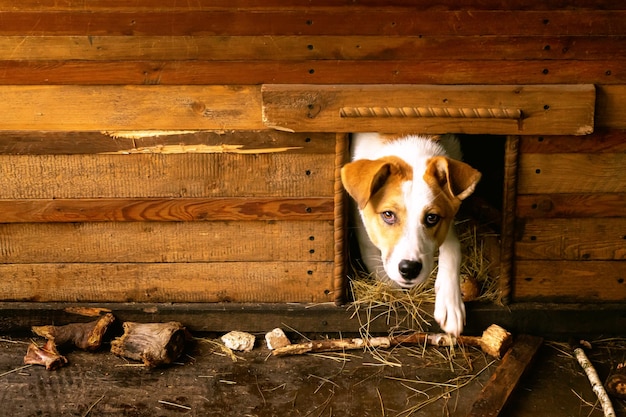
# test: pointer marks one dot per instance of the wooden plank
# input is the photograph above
(572, 173)
(315, 21)
(496, 393)
(166, 176)
(280, 282)
(173, 5)
(267, 47)
(448, 70)
(130, 107)
(602, 141)
(249, 241)
(572, 239)
(69, 143)
(546, 109)
(611, 107)
(165, 209)
(571, 205)
(570, 281)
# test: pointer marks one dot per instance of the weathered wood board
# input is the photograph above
(547, 109)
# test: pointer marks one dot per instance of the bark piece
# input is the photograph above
(86, 336)
(152, 343)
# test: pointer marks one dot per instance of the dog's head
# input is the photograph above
(408, 214)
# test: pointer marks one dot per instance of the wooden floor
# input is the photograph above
(210, 382)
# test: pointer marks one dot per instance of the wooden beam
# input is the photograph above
(545, 109)
(505, 378)
(571, 205)
(90, 108)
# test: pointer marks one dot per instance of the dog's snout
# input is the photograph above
(409, 269)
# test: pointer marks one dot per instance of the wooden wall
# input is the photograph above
(229, 209)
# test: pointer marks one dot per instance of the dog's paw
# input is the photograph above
(450, 310)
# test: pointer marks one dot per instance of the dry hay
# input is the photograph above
(404, 309)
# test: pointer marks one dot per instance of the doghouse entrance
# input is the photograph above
(491, 118)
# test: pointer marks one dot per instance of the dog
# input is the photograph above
(407, 191)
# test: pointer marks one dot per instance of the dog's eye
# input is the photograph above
(431, 219)
(388, 217)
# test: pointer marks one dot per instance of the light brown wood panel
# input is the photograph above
(546, 109)
(100, 108)
(314, 21)
(225, 48)
(166, 242)
(367, 71)
(570, 281)
(158, 175)
(281, 282)
(601, 141)
(571, 205)
(169, 209)
(572, 173)
(50, 143)
(572, 239)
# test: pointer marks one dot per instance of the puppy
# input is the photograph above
(407, 191)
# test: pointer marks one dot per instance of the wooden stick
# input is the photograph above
(596, 384)
(494, 341)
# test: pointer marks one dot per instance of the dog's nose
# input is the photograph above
(409, 269)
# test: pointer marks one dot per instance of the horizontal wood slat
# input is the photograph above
(130, 108)
(353, 21)
(252, 241)
(547, 109)
(572, 239)
(571, 205)
(165, 210)
(167, 142)
(166, 176)
(572, 173)
(286, 48)
(281, 282)
(602, 141)
(570, 281)
(426, 71)
(173, 5)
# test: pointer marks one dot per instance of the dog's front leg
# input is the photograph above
(449, 307)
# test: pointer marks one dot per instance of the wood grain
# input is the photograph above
(280, 282)
(447, 70)
(601, 141)
(129, 108)
(570, 281)
(165, 176)
(571, 205)
(165, 209)
(547, 109)
(314, 21)
(572, 239)
(572, 173)
(239, 48)
(166, 242)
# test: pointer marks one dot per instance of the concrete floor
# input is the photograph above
(210, 382)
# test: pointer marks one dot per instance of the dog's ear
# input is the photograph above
(457, 177)
(364, 177)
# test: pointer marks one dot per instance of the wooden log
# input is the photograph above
(505, 378)
(86, 336)
(154, 344)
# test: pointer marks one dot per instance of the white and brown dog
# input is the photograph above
(408, 190)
